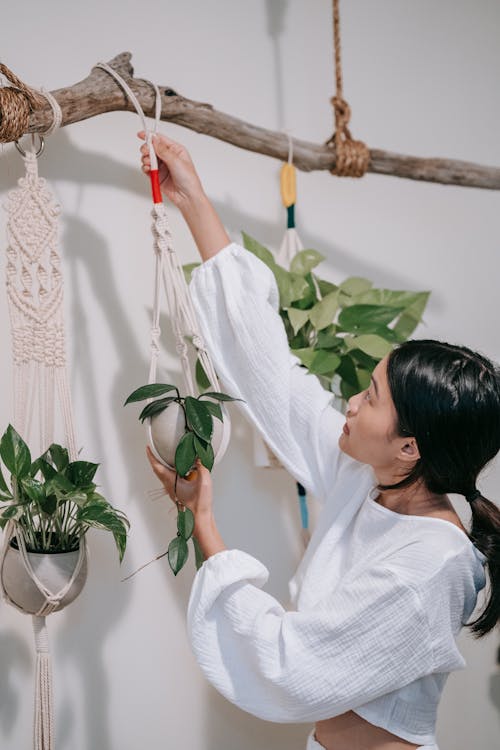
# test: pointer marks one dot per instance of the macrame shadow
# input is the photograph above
(15, 657)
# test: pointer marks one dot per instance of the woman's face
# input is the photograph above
(370, 432)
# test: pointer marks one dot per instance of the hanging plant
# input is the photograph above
(52, 500)
(339, 332)
(182, 429)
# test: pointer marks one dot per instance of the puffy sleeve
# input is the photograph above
(236, 301)
(367, 638)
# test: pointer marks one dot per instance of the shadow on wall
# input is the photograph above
(14, 658)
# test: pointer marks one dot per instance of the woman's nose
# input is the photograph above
(353, 405)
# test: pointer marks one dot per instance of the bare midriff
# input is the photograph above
(350, 732)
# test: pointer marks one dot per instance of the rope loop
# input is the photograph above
(16, 105)
(352, 158)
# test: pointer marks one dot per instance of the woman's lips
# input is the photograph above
(346, 429)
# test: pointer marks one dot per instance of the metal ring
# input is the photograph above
(40, 148)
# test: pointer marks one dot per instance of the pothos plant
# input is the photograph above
(339, 332)
(54, 501)
(196, 442)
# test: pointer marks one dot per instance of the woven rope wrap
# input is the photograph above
(352, 158)
(16, 104)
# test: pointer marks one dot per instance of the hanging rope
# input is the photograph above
(169, 273)
(352, 158)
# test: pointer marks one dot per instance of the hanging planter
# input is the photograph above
(48, 508)
(180, 430)
(28, 580)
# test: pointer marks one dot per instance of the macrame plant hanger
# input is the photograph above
(290, 246)
(40, 377)
(169, 272)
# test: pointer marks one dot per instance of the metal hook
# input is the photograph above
(40, 147)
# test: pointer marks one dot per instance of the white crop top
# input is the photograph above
(379, 596)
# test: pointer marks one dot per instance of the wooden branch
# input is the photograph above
(99, 93)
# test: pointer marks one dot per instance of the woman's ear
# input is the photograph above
(409, 451)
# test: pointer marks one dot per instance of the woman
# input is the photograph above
(390, 574)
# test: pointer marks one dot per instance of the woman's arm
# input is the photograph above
(236, 301)
(179, 181)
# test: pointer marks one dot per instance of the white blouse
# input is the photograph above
(379, 596)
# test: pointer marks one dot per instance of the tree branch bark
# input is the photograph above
(99, 93)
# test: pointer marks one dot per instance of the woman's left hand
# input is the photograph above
(195, 493)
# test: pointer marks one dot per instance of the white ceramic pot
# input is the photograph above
(167, 428)
(54, 570)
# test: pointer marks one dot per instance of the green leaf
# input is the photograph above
(364, 377)
(202, 380)
(259, 250)
(34, 489)
(188, 270)
(177, 554)
(156, 407)
(297, 318)
(291, 286)
(13, 512)
(355, 285)
(149, 391)
(198, 554)
(325, 287)
(221, 396)
(373, 345)
(364, 317)
(205, 452)
(347, 371)
(49, 504)
(347, 390)
(305, 260)
(3, 484)
(389, 297)
(185, 454)
(308, 296)
(324, 362)
(198, 417)
(15, 453)
(185, 523)
(57, 455)
(411, 317)
(323, 312)
(59, 484)
(214, 409)
(81, 473)
(41, 465)
(306, 355)
(327, 339)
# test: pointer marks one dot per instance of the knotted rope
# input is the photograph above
(16, 105)
(352, 158)
(35, 296)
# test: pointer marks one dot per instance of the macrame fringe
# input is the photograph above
(43, 722)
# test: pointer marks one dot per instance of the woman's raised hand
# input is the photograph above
(179, 180)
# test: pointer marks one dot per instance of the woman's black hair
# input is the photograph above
(448, 398)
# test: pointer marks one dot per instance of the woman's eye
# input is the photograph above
(367, 395)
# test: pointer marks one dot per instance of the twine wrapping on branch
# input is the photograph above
(16, 105)
(352, 158)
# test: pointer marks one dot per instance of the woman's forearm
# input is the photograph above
(205, 225)
(208, 537)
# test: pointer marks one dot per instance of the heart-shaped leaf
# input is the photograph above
(177, 554)
(15, 453)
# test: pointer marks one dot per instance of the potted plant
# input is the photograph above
(180, 430)
(339, 332)
(51, 503)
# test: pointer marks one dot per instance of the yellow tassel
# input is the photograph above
(288, 185)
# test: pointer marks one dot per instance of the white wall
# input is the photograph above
(422, 79)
